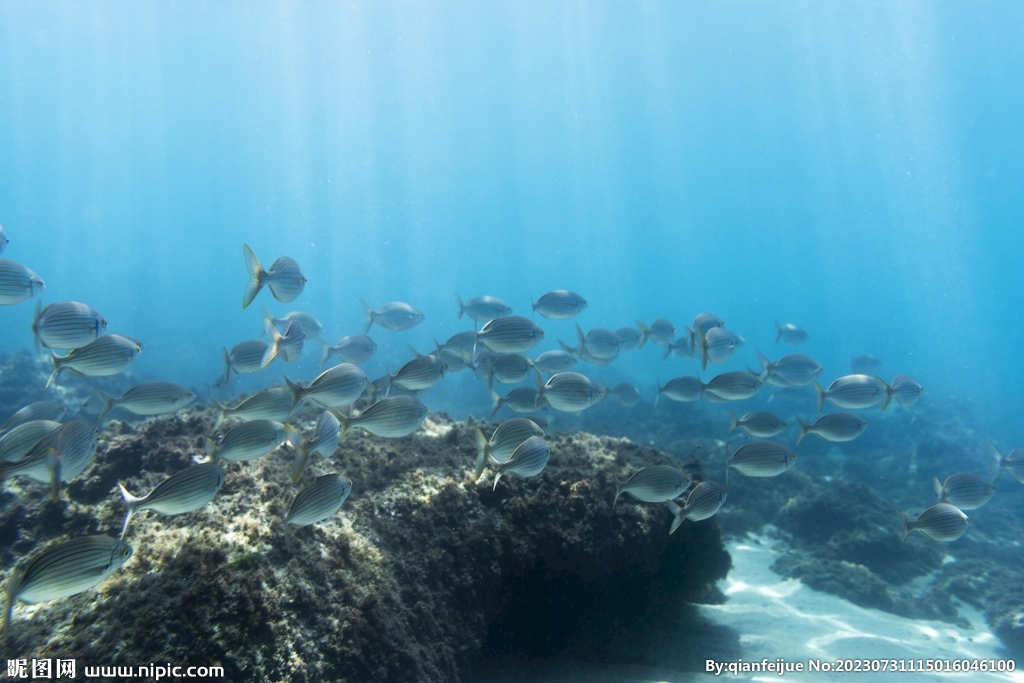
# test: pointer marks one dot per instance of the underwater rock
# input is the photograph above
(422, 575)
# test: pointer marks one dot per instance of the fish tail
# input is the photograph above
(496, 478)
(669, 348)
(325, 352)
(299, 465)
(227, 365)
(296, 392)
(256, 273)
(496, 403)
(275, 343)
(767, 367)
(778, 332)
(223, 412)
(462, 306)
(211, 450)
(678, 512)
(618, 491)
(603, 388)
(888, 392)
(937, 487)
(643, 333)
(343, 419)
(907, 528)
(805, 429)
(481, 453)
(108, 404)
(734, 422)
(582, 339)
(10, 589)
(370, 315)
(35, 326)
(56, 370)
(821, 396)
(132, 502)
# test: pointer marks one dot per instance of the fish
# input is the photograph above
(906, 390)
(152, 398)
(759, 459)
(941, 522)
(184, 491)
(553, 362)
(319, 501)
(790, 333)
(288, 345)
(66, 325)
(964, 490)
(393, 315)
(661, 331)
(655, 484)
(510, 334)
(572, 392)
(528, 460)
(561, 304)
(625, 394)
(717, 346)
(311, 327)
(520, 400)
(336, 387)
(244, 358)
(285, 278)
(705, 321)
(629, 338)
(483, 308)
(836, 427)
(60, 455)
(759, 424)
(40, 410)
(1014, 462)
(685, 346)
(682, 389)
(865, 364)
(510, 368)
(459, 343)
(3, 239)
(248, 441)
(419, 374)
(599, 343)
(854, 391)
(17, 283)
(324, 442)
(704, 501)
(353, 348)
(392, 417)
(108, 355)
(274, 403)
(734, 386)
(504, 441)
(796, 369)
(65, 569)
(16, 443)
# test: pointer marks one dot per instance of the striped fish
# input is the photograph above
(797, 369)
(17, 283)
(3, 239)
(59, 456)
(523, 400)
(560, 304)
(285, 278)
(66, 325)
(354, 348)
(319, 501)
(244, 358)
(108, 355)
(510, 368)
(760, 424)
(964, 490)
(833, 427)
(336, 387)
(718, 346)
(759, 459)
(504, 441)
(394, 315)
(704, 501)
(419, 374)
(734, 386)
(324, 443)
(790, 333)
(248, 441)
(942, 522)
(661, 331)
(392, 417)
(288, 344)
(510, 334)
(553, 362)
(905, 390)
(681, 389)
(655, 484)
(854, 391)
(597, 343)
(40, 410)
(311, 327)
(274, 403)
(151, 398)
(1014, 462)
(482, 309)
(16, 444)
(625, 394)
(65, 569)
(686, 346)
(572, 392)
(629, 338)
(705, 321)
(184, 491)
(528, 460)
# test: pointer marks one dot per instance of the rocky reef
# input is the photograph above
(423, 575)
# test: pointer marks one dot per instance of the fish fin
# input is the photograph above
(888, 392)
(462, 307)
(300, 462)
(370, 315)
(223, 412)
(496, 403)
(766, 366)
(108, 404)
(805, 429)
(35, 326)
(821, 396)
(582, 339)
(643, 334)
(53, 464)
(778, 332)
(415, 353)
(343, 419)
(256, 272)
(481, 453)
(227, 365)
(657, 394)
(669, 348)
(906, 525)
(618, 491)
(56, 370)
(496, 478)
(275, 343)
(131, 500)
(734, 422)
(603, 388)
(937, 487)
(211, 450)
(10, 591)
(325, 352)
(678, 512)
(296, 392)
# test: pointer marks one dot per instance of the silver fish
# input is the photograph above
(796, 369)
(528, 460)
(760, 424)
(65, 569)
(1014, 462)
(504, 441)
(483, 308)
(335, 387)
(598, 343)
(705, 321)
(324, 443)
(964, 490)
(311, 327)
(704, 501)
(560, 304)
(108, 355)
(510, 334)
(865, 364)
(686, 346)
(17, 283)
(520, 400)
(59, 456)
(681, 389)
(833, 427)
(625, 394)
(629, 338)
(905, 390)
(3, 239)
(319, 501)
(393, 315)
(288, 345)
(248, 441)
(553, 362)
(40, 410)
(718, 346)
(734, 386)
(244, 358)
(275, 403)
(790, 333)
(152, 398)
(655, 484)
(759, 459)
(481, 363)
(661, 331)
(854, 391)
(420, 374)
(285, 278)
(393, 417)
(459, 343)
(942, 522)
(16, 444)
(184, 491)
(572, 392)
(354, 348)
(66, 325)
(510, 368)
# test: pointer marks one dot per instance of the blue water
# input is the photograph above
(854, 169)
